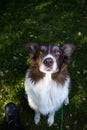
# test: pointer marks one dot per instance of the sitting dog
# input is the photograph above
(47, 80)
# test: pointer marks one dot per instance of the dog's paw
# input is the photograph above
(66, 101)
(50, 121)
(37, 118)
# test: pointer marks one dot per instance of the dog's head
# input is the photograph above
(49, 58)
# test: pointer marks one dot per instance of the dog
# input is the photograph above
(47, 81)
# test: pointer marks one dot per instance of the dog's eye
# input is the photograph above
(56, 52)
(43, 50)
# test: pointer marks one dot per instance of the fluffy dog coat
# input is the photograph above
(47, 80)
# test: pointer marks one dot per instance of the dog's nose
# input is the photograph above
(48, 62)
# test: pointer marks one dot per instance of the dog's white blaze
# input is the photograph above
(43, 68)
(46, 95)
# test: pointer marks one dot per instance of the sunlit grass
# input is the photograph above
(43, 5)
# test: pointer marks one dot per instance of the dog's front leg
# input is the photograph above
(51, 118)
(37, 117)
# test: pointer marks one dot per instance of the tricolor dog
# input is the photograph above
(47, 81)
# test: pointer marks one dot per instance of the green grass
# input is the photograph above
(43, 21)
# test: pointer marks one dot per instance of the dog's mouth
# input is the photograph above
(51, 69)
(48, 68)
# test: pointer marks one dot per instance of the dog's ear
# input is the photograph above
(31, 48)
(67, 49)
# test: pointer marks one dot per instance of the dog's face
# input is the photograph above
(49, 58)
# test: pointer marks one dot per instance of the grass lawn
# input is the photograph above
(43, 21)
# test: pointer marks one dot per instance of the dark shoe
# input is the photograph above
(12, 117)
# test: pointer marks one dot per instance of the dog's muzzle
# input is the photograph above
(48, 62)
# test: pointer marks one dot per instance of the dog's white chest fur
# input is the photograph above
(46, 95)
